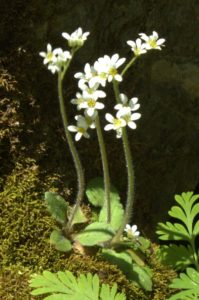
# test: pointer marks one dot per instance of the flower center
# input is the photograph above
(91, 103)
(49, 56)
(117, 123)
(102, 75)
(81, 130)
(113, 71)
(152, 43)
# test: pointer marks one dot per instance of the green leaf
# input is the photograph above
(94, 234)
(139, 274)
(57, 206)
(117, 215)
(195, 211)
(142, 276)
(175, 256)
(95, 192)
(188, 283)
(178, 213)
(184, 230)
(60, 242)
(196, 228)
(63, 285)
(169, 232)
(79, 216)
(108, 293)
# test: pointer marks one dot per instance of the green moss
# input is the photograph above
(25, 227)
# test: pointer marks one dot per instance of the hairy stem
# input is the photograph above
(107, 200)
(130, 173)
(73, 150)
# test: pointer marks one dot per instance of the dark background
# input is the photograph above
(165, 145)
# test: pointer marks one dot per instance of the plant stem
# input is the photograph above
(128, 65)
(107, 200)
(130, 172)
(195, 256)
(73, 150)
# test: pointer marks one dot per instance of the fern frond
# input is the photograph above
(64, 285)
(185, 229)
(189, 285)
(176, 256)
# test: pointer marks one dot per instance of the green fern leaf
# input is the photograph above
(175, 256)
(194, 211)
(169, 231)
(188, 283)
(63, 285)
(108, 293)
(178, 213)
(196, 228)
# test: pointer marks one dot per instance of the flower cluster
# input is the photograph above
(104, 69)
(125, 115)
(56, 59)
(145, 43)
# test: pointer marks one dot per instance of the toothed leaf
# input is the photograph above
(169, 232)
(110, 293)
(175, 256)
(63, 285)
(188, 283)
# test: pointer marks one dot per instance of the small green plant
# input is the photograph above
(181, 234)
(182, 252)
(120, 243)
(64, 285)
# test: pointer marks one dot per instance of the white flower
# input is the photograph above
(152, 41)
(137, 47)
(125, 102)
(55, 58)
(89, 75)
(78, 100)
(91, 91)
(81, 128)
(77, 38)
(53, 68)
(107, 66)
(115, 124)
(90, 105)
(62, 56)
(129, 117)
(49, 56)
(132, 230)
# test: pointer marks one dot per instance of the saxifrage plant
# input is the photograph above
(110, 230)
